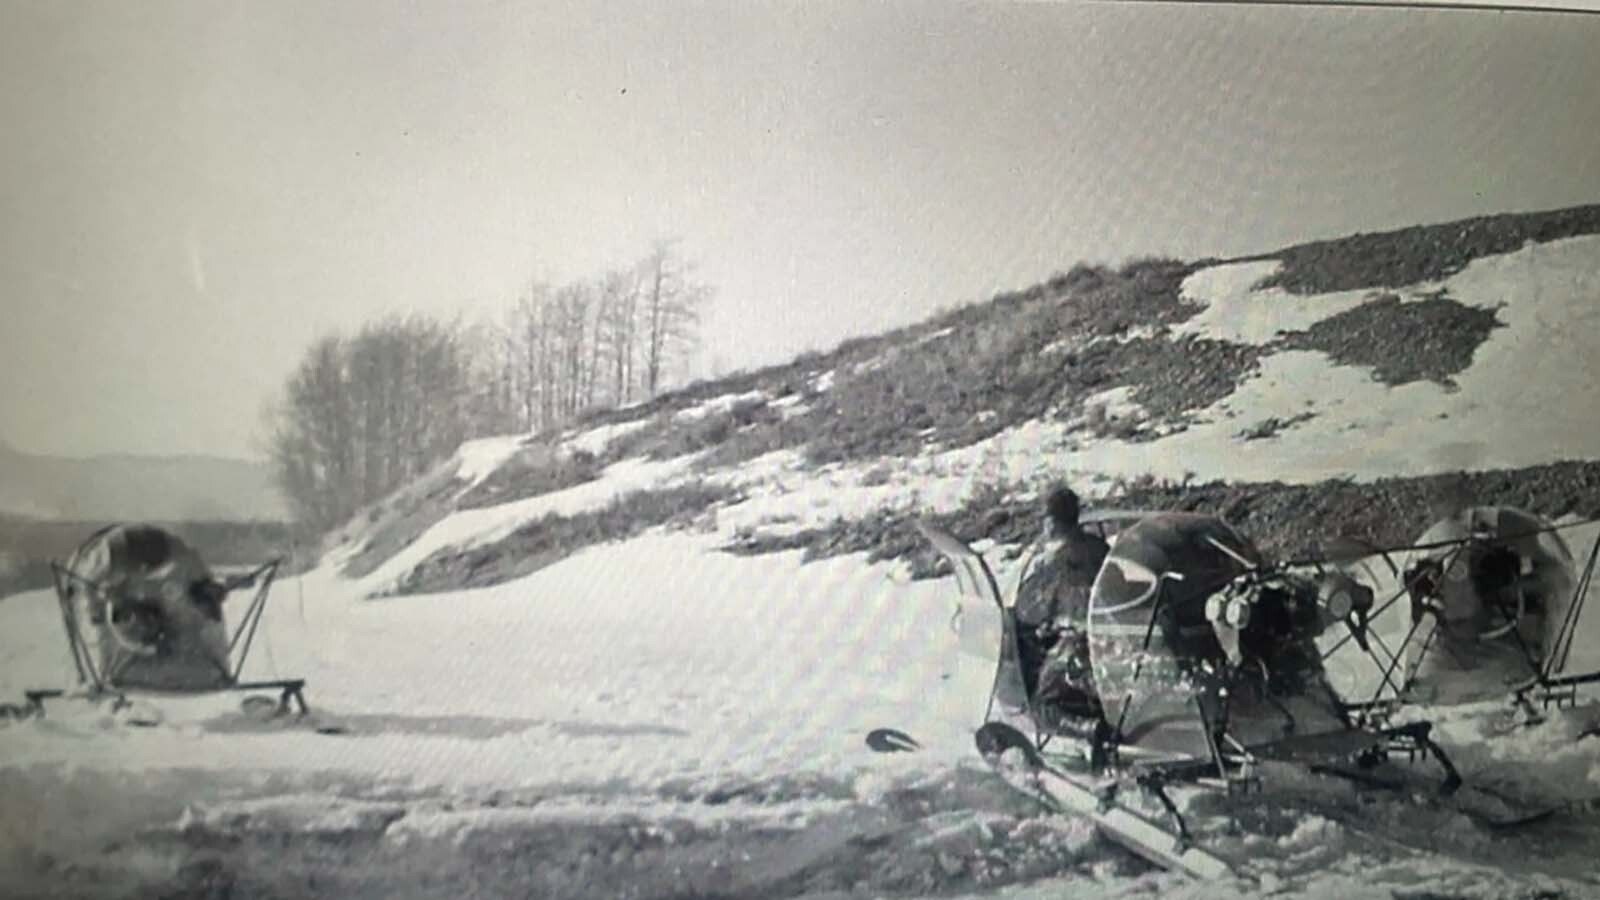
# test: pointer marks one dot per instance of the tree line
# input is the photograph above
(364, 414)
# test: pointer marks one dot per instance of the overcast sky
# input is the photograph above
(191, 192)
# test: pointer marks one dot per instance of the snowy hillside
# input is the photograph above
(638, 658)
(1522, 397)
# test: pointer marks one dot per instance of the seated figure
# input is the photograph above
(1052, 613)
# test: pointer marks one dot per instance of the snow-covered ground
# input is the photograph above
(477, 460)
(618, 671)
(659, 661)
(641, 661)
(599, 684)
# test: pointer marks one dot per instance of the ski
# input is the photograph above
(1068, 793)
(1484, 807)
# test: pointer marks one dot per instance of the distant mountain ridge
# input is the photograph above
(129, 486)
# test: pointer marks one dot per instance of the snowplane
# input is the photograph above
(142, 613)
(1207, 662)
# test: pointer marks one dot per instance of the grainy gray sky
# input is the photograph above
(191, 191)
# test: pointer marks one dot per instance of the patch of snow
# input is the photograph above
(1118, 403)
(790, 406)
(871, 364)
(782, 485)
(1136, 333)
(1024, 454)
(477, 459)
(720, 404)
(471, 527)
(595, 440)
(1236, 312)
(741, 666)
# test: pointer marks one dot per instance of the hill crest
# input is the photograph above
(1257, 387)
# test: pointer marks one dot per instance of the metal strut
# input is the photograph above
(1416, 622)
(1556, 660)
(1420, 733)
(252, 614)
(1155, 784)
(82, 653)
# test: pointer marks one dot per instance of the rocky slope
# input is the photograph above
(1159, 383)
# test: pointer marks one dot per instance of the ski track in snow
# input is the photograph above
(660, 661)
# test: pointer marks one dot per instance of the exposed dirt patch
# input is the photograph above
(1026, 356)
(669, 438)
(1285, 520)
(1273, 426)
(1423, 340)
(1172, 378)
(1421, 253)
(1294, 520)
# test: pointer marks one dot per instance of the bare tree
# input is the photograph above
(616, 323)
(533, 342)
(671, 314)
(311, 447)
(361, 416)
(567, 325)
(493, 406)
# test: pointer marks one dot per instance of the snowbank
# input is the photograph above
(472, 527)
(477, 460)
(637, 662)
(594, 441)
(715, 405)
